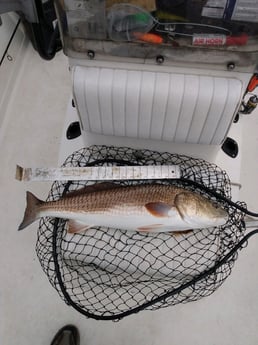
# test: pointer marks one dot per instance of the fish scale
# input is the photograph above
(120, 200)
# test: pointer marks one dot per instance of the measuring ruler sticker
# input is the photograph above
(99, 173)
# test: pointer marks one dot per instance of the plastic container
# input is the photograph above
(94, 25)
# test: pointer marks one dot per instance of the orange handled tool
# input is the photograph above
(253, 83)
(149, 38)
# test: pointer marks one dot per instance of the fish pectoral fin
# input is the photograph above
(158, 208)
(75, 226)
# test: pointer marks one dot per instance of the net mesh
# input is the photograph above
(108, 273)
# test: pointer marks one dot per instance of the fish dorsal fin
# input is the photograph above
(92, 188)
(75, 226)
(158, 208)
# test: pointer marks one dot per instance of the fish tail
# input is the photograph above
(31, 211)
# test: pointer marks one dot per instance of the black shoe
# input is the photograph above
(68, 335)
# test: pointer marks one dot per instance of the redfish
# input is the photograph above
(145, 207)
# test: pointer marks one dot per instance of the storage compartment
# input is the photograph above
(199, 31)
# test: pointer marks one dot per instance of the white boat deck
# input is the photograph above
(31, 311)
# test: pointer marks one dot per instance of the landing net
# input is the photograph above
(108, 274)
